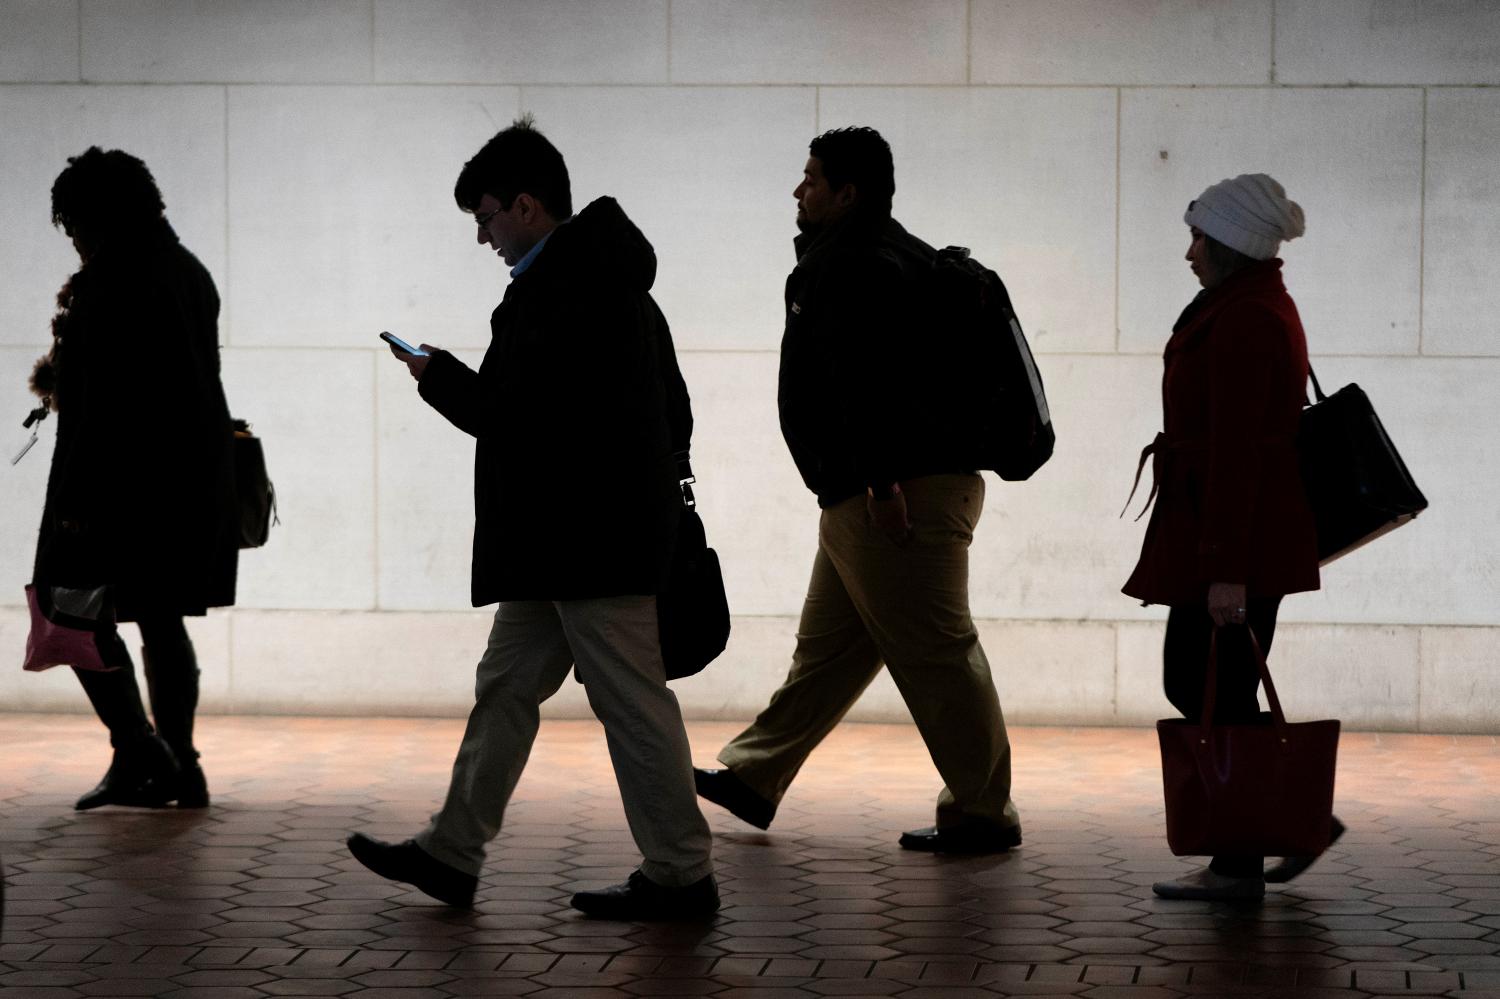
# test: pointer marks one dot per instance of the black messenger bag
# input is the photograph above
(692, 611)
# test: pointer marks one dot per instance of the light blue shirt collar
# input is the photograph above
(530, 257)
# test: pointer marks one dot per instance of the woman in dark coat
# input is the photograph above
(1231, 532)
(141, 491)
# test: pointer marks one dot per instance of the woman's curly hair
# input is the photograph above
(106, 191)
(109, 193)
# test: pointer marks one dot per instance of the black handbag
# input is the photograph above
(1356, 482)
(255, 494)
(692, 611)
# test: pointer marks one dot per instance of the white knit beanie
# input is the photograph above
(1250, 213)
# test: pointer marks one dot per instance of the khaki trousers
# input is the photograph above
(872, 603)
(532, 647)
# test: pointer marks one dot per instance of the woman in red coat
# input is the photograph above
(1231, 532)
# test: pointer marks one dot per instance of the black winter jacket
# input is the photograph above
(862, 402)
(578, 408)
(141, 489)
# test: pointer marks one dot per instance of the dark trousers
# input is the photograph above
(1185, 670)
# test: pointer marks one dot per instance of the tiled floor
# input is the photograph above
(256, 896)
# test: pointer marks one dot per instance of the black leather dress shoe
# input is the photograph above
(409, 863)
(640, 899)
(1290, 867)
(723, 788)
(969, 837)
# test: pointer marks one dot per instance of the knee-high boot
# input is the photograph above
(143, 771)
(172, 681)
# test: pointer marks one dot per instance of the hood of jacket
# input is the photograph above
(602, 242)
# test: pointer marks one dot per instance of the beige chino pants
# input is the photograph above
(872, 603)
(532, 648)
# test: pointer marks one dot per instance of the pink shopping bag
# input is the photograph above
(65, 627)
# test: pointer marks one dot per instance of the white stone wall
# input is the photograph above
(307, 152)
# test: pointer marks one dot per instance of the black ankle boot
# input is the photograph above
(143, 774)
(172, 682)
(192, 786)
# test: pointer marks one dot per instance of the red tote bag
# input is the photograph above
(1253, 789)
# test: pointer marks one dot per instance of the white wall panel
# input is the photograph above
(40, 41)
(834, 41)
(55, 689)
(707, 173)
(1055, 546)
(1351, 158)
(1366, 677)
(1024, 178)
(1461, 258)
(1387, 41)
(521, 41)
(342, 219)
(1440, 568)
(1121, 41)
(758, 515)
(1138, 692)
(740, 682)
(177, 131)
(332, 663)
(424, 498)
(408, 664)
(1460, 680)
(1052, 672)
(248, 41)
(325, 213)
(314, 411)
(25, 485)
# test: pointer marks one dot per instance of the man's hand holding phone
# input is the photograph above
(415, 358)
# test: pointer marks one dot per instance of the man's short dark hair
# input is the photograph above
(518, 160)
(860, 156)
(105, 191)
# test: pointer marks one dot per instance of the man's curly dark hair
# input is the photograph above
(105, 191)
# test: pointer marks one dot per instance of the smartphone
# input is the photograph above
(402, 345)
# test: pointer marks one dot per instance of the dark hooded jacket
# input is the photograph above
(861, 398)
(141, 489)
(577, 408)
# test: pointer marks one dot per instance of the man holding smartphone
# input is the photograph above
(577, 410)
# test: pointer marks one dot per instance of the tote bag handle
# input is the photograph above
(1211, 686)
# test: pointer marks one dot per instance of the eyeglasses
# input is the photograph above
(484, 220)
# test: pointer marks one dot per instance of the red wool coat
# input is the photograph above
(1230, 505)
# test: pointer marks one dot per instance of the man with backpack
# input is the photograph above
(870, 410)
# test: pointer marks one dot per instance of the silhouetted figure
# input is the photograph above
(890, 579)
(577, 410)
(1231, 532)
(141, 490)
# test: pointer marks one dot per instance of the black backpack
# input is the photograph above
(1003, 423)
